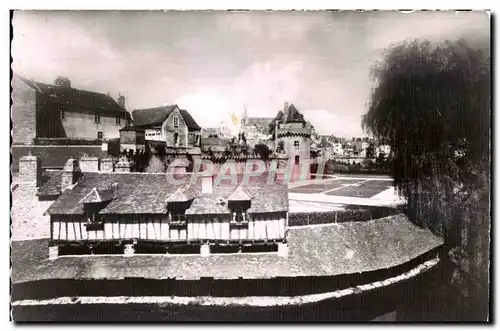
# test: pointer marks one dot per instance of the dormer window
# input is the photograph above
(93, 203)
(178, 203)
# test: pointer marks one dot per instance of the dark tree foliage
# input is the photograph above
(370, 151)
(263, 151)
(431, 104)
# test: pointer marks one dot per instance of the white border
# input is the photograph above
(185, 4)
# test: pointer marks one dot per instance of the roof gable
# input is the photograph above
(240, 193)
(156, 116)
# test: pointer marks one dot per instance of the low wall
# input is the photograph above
(137, 287)
(352, 213)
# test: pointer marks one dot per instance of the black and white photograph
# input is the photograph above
(250, 166)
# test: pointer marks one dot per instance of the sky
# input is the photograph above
(216, 63)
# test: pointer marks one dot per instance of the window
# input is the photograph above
(100, 135)
(94, 222)
(62, 114)
(296, 144)
(97, 118)
(176, 138)
(118, 120)
(297, 159)
(176, 121)
(177, 217)
(239, 217)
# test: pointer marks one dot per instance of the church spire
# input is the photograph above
(244, 116)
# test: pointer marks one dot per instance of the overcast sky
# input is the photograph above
(212, 63)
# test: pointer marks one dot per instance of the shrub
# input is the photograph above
(310, 218)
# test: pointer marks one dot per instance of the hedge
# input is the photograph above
(340, 216)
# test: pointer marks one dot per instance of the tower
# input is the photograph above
(294, 135)
(244, 117)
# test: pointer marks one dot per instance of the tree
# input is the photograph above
(370, 151)
(431, 104)
(156, 164)
(263, 151)
(62, 81)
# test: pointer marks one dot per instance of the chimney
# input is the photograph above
(121, 101)
(89, 164)
(107, 165)
(71, 174)
(123, 165)
(30, 170)
(207, 184)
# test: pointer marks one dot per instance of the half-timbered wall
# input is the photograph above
(147, 227)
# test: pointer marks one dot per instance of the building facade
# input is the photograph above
(168, 124)
(58, 111)
(255, 129)
(132, 138)
(98, 207)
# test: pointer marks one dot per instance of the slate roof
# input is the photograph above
(240, 193)
(157, 115)
(50, 183)
(324, 143)
(145, 193)
(76, 100)
(259, 122)
(131, 128)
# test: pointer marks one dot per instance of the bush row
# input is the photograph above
(354, 215)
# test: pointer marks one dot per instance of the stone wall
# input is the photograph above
(29, 170)
(82, 125)
(23, 114)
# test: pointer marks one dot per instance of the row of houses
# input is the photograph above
(330, 147)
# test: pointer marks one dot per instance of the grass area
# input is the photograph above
(364, 190)
(318, 188)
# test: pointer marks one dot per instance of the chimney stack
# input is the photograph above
(71, 174)
(30, 170)
(89, 164)
(207, 184)
(121, 101)
(123, 165)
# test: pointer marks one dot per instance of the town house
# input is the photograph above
(130, 209)
(59, 111)
(168, 124)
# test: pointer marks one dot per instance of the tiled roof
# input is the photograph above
(259, 122)
(50, 184)
(324, 143)
(144, 193)
(240, 193)
(155, 116)
(131, 128)
(76, 100)
(183, 194)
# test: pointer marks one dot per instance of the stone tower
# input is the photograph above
(294, 136)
